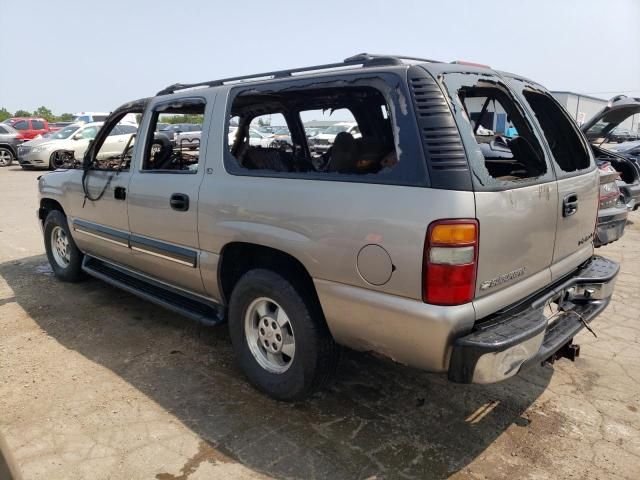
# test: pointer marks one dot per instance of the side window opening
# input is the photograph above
(343, 130)
(168, 149)
(568, 150)
(510, 149)
(116, 151)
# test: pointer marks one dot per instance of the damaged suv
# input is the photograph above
(425, 239)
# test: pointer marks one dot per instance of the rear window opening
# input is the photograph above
(510, 149)
(568, 149)
(329, 131)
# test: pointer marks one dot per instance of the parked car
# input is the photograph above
(620, 135)
(322, 142)
(61, 148)
(413, 241)
(629, 150)
(256, 137)
(10, 139)
(612, 211)
(190, 140)
(92, 117)
(599, 128)
(27, 127)
(175, 128)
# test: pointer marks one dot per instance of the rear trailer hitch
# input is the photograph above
(569, 350)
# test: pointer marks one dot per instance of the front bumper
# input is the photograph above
(611, 223)
(504, 345)
(36, 160)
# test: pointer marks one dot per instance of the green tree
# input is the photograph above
(4, 114)
(22, 113)
(43, 112)
(65, 117)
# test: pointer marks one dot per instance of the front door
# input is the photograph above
(163, 196)
(99, 220)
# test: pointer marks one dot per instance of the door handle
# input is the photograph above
(179, 202)
(570, 204)
(119, 193)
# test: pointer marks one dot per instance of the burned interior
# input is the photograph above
(160, 154)
(372, 152)
(511, 156)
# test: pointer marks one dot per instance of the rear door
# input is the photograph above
(578, 177)
(38, 127)
(515, 190)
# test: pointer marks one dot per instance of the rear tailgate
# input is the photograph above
(576, 223)
(576, 173)
(514, 186)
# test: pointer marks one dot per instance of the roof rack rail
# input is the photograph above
(361, 59)
(372, 57)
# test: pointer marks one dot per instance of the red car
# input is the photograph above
(29, 127)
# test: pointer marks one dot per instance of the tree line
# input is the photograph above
(49, 116)
(42, 112)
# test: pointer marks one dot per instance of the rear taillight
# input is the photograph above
(450, 261)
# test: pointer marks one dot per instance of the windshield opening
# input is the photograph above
(66, 132)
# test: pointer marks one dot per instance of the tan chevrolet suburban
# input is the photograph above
(453, 235)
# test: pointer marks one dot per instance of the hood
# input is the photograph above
(325, 136)
(617, 110)
(38, 141)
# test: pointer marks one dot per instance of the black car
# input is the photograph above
(599, 130)
(9, 141)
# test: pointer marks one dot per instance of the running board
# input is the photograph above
(199, 309)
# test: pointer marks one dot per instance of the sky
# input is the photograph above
(73, 56)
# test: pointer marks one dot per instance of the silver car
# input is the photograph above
(423, 240)
(68, 144)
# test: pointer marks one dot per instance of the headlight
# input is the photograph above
(38, 149)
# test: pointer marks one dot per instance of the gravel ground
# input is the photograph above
(96, 383)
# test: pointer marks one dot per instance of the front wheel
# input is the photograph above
(280, 338)
(60, 159)
(63, 254)
(6, 157)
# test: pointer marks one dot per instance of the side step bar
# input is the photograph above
(206, 312)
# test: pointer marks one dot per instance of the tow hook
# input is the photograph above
(569, 350)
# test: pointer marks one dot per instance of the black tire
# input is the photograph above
(316, 354)
(72, 271)
(6, 157)
(59, 159)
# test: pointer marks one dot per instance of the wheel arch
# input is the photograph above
(10, 147)
(46, 206)
(237, 258)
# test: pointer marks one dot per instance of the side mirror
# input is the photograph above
(77, 136)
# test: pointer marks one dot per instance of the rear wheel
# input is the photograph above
(63, 254)
(6, 157)
(279, 336)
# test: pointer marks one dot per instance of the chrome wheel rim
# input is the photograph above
(5, 158)
(60, 247)
(269, 335)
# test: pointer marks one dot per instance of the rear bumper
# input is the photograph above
(610, 226)
(631, 192)
(504, 345)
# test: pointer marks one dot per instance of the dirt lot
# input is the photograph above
(95, 383)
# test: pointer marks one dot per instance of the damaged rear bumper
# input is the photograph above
(611, 224)
(501, 347)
